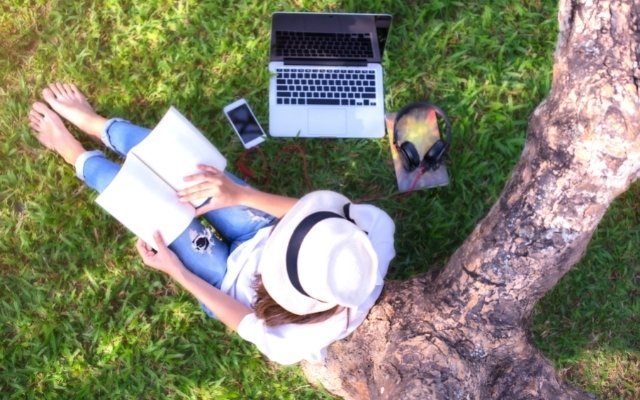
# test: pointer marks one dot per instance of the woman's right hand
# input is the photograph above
(214, 184)
(162, 259)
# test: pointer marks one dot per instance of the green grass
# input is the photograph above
(81, 317)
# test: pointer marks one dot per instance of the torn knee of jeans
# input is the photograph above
(201, 240)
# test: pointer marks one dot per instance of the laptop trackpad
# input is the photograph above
(327, 121)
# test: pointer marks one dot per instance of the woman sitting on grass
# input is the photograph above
(291, 276)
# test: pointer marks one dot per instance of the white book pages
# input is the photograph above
(174, 149)
(144, 203)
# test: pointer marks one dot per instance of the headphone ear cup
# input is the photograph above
(409, 156)
(434, 156)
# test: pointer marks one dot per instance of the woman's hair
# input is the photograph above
(273, 314)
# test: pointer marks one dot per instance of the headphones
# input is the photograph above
(409, 154)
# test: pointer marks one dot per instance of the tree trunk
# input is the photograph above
(464, 333)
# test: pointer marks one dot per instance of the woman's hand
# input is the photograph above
(214, 184)
(163, 259)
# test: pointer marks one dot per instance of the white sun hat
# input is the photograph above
(317, 257)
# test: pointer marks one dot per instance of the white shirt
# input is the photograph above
(290, 343)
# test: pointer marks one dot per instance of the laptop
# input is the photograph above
(326, 75)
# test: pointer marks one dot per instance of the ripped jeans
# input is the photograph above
(200, 250)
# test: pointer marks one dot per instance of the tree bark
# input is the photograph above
(464, 333)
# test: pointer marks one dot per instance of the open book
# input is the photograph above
(143, 196)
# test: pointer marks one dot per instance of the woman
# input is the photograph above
(291, 276)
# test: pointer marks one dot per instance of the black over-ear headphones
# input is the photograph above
(409, 154)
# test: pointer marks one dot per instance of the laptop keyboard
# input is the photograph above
(323, 45)
(324, 86)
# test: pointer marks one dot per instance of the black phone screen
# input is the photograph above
(245, 123)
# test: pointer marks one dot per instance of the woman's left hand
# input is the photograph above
(163, 259)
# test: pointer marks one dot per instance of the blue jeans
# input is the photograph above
(202, 251)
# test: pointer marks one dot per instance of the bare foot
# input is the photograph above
(53, 134)
(67, 100)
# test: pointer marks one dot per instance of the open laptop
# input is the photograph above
(327, 75)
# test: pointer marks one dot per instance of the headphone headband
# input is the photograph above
(427, 106)
(408, 152)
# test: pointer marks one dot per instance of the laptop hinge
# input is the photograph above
(325, 62)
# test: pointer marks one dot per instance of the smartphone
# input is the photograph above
(245, 123)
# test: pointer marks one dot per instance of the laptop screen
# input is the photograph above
(329, 36)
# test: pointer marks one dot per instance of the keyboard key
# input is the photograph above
(368, 95)
(335, 102)
(283, 94)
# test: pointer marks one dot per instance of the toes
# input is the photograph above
(54, 90)
(34, 115)
(35, 125)
(76, 91)
(34, 118)
(68, 90)
(48, 95)
(58, 89)
(41, 108)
